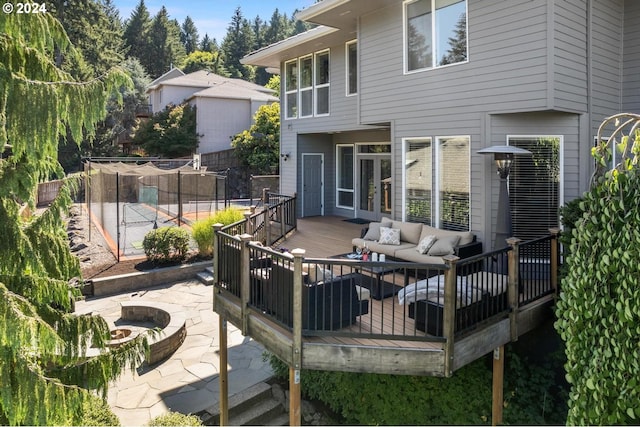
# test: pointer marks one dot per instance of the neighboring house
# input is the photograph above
(224, 106)
(386, 103)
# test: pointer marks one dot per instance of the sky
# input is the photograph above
(213, 16)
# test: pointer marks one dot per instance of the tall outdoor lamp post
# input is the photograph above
(503, 155)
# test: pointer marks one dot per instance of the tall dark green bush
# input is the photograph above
(599, 306)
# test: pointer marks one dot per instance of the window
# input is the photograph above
(291, 89)
(307, 86)
(418, 180)
(535, 186)
(437, 182)
(344, 178)
(434, 39)
(322, 83)
(453, 183)
(352, 67)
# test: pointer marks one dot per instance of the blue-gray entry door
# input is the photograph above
(312, 184)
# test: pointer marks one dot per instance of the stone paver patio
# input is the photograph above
(187, 382)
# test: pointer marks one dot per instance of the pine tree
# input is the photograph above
(189, 35)
(43, 368)
(136, 34)
(237, 43)
(208, 45)
(164, 47)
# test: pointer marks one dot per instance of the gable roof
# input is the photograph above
(205, 79)
(231, 90)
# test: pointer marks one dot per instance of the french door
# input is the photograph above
(374, 195)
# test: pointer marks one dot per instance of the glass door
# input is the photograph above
(375, 187)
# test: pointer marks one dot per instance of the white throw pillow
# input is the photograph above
(444, 246)
(389, 236)
(425, 244)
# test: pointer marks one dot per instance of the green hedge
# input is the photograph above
(175, 419)
(532, 394)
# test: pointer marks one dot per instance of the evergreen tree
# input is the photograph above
(95, 31)
(44, 369)
(164, 48)
(200, 60)
(277, 29)
(208, 45)
(259, 30)
(189, 35)
(136, 34)
(238, 43)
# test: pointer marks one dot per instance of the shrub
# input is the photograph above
(166, 244)
(96, 412)
(175, 419)
(202, 230)
(532, 395)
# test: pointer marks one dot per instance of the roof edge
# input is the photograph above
(318, 8)
(262, 54)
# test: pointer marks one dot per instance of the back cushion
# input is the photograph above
(465, 236)
(409, 231)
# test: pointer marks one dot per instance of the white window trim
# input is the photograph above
(405, 65)
(306, 88)
(286, 99)
(346, 67)
(435, 170)
(353, 172)
(560, 159)
(436, 181)
(404, 175)
(321, 86)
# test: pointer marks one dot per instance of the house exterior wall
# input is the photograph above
(536, 67)
(631, 57)
(165, 95)
(218, 120)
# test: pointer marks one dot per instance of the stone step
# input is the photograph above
(260, 413)
(205, 277)
(280, 420)
(248, 406)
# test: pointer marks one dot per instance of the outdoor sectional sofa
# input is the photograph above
(417, 242)
(329, 302)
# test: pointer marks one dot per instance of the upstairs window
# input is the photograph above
(306, 83)
(435, 33)
(352, 67)
(291, 89)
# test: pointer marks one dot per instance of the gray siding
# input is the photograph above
(631, 60)
(606, 53)
(503, 73)
(570, 55)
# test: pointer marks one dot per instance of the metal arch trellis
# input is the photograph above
(626, 126)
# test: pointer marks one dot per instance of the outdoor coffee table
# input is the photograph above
(372, 277)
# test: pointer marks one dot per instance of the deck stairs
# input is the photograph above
(253, 406)
(206, 276)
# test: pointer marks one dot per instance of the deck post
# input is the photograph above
(555, 258)
(245, 261)
(216, 260)
(224, 377)
(498, 386)
(513, 284)
(249, 226)
(449, 311)
(295, 413)
(267, 224)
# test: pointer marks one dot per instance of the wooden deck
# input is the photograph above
(384, 340)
